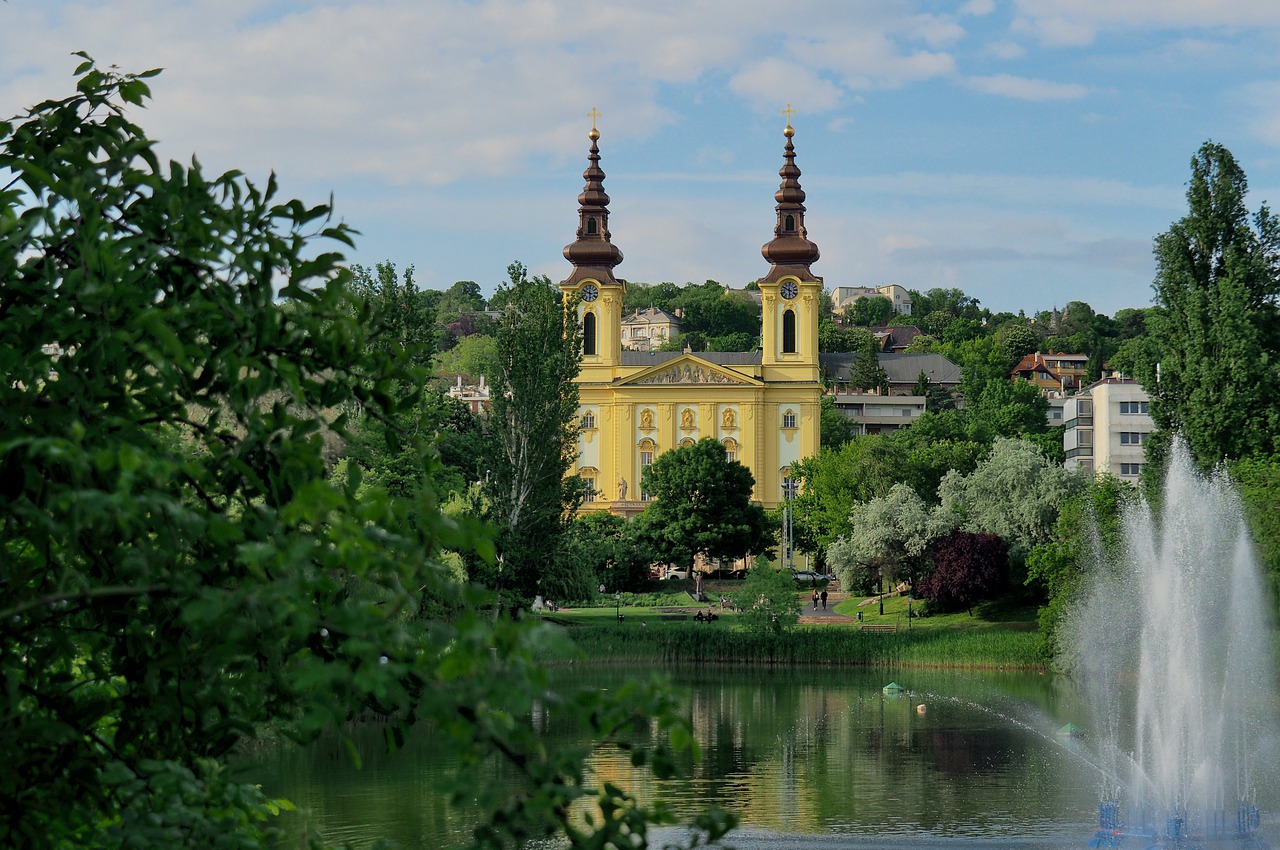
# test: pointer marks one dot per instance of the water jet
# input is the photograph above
(1172, 646)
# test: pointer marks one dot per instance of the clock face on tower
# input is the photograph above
(590, 292)
(789, 289)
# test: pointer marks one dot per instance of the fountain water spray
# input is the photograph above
(1173, 646)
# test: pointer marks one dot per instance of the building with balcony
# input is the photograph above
(873, 413)
(1052, 372)
(1105, 428)
(648, 329)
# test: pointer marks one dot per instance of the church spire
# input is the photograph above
(592, 254)
(789, 252)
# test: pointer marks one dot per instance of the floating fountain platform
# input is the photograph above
(1216, 830)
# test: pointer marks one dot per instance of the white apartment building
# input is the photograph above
(1106, 426)
(843, 296)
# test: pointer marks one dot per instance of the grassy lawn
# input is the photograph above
(986, 616)
(997, 615)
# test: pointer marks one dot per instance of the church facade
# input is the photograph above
(762, 405)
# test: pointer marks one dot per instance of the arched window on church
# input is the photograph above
(589, 334)
(589, 475)
(647, 450)
(592, 227)
(789, 332)
(686, 443)
(588, 421)
(731, 449)
(789, 224)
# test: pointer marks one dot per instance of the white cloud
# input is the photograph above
(774, 81)
(1022, 88)
(978, 8)
(869, 60)
(1005, 50)
(1263, 101)
(1077, 22)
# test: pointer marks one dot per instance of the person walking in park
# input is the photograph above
(815, 600)
(824, 600)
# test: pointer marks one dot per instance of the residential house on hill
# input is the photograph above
(895, 338)
(1052, 372)
(474, 396)
(843, 296)
(648, 329)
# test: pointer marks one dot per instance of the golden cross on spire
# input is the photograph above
(788, 112)
(594, 114)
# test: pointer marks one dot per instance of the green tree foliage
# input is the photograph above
(608, 544)
(702, 505)
(733, 342)
(869, 312)
(937, 399)
(935, 444)
(980, 359)
(531, 429)
(399, 321)
(835, 429)
(1087, 533)
(1006, 408)
(888, 538)
(835, 338)
(710, 313)
(398, 314)
(1016, 493)
(836, 479)
(463, 297)
(1258, 479)
(933, 323)
(1135, 352)
(664, 296)
(767, 601)
(833, 480)
(177, 575)
(467, 360)
(967, 568)
(1216, 324)
(1016, 340)
(866, 373)
(922, 344)
(950, 302)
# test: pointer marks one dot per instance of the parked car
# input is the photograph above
(674, 573)
(809, 576)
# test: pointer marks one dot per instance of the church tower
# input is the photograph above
(594, 257)
(790, 292)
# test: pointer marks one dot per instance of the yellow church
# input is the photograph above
(635, 405)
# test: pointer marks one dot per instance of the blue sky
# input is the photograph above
(1025, 151)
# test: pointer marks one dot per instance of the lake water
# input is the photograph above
(806, 758)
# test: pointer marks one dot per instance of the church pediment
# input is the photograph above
(689, 369)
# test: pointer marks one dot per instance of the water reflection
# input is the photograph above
(805, 757)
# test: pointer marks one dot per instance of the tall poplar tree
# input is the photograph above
(532, 429)
(1215, 325)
